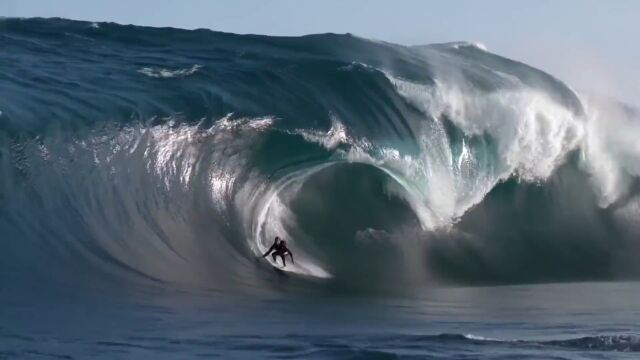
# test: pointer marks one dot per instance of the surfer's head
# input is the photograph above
(277, 239)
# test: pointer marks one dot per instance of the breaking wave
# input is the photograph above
(385, 166)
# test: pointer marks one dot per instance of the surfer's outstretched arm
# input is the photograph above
(269, 251)
(272, 248)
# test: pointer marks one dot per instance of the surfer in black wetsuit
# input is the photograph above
(279, 248)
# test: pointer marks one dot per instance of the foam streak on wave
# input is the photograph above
(168, 73)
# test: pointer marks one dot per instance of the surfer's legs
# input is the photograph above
(275, 255)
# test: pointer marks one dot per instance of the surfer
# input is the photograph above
(279, 248)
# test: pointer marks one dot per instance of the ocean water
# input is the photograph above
(441, 201)
(552, 321)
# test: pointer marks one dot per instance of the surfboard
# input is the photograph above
(279, 271)
(276, 267)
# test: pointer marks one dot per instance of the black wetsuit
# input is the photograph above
(279, 248)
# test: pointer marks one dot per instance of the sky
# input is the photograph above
(592, 45)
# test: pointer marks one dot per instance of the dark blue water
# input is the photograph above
(441, 201)
(560, 321)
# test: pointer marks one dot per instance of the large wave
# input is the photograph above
(164, 156)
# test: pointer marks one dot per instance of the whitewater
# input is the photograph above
(143, 170)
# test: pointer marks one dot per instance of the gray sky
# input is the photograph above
(590, 44)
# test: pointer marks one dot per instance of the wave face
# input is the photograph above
(160, 156)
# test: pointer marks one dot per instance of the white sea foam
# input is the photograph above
(480, 338)
(229, 123)
(336, 135)
(610, 148)
(156, 72)
(460, 44)
(532, 133)
(357, 65)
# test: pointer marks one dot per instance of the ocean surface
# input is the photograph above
(441, 201)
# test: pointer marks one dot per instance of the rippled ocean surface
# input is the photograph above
(559, 321)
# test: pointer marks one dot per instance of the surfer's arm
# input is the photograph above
(269, 251)
(291, 256)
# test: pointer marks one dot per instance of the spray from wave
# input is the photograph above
(383, 165)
